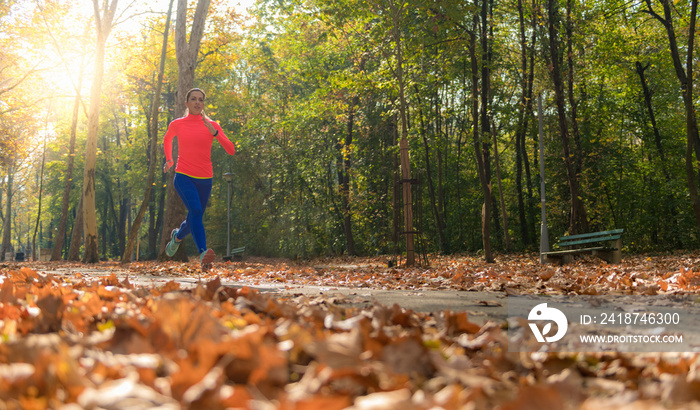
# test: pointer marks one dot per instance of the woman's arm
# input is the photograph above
(168, 147)
(218, 132)
(229, 147)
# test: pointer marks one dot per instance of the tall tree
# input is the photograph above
(153, 132)
(186, 53)
(396, 11)
(670, 204)
(344, 170)
(68, 183)
(685, 77)
(434, 200)
(480, 138)
(640, 70)
(578, 221)
(527, 74)
(487, 108)
(53, 16)
(76, 233)
(103, 26)
(7, 225)
(35, 254)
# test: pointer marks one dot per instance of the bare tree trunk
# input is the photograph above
(7, 226)
(156, 222)
(344, 167)
(434, 201)
(155, 104)
(578, 218)
(652, 117)
(686, 82)
(690, 177)
(670, 203)
(186, 53)
(521, 129)
(486, 112)
(691, 119)
(41, 189)
(65, 201)
(396, 221)
(76, 237)
(403, 142)
(500, 194)
(573, 103)
(479, 148)
(103, 27)
(525, 211)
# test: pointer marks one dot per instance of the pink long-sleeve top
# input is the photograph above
(194, 145)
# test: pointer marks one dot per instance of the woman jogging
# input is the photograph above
(193, 174)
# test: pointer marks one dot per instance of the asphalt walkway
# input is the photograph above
(591, 315)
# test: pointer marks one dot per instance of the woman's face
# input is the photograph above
(195, 102)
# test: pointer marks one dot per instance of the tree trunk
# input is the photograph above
(578, 218)
(65, 201)
(690, 177)
(652, 117)
(485, 125)
(486, 113)
(521, 129)
(670, 202)
(103, 27)
(76, 237)
(691, 119)
(500, 194)
(344, 168)
(122, 223)
(441, 164)
(396, 203)
(7, 226)
(686, 82)
(38, 213)
(531, 201)
(437, 211)
(395, 11)
(479, 149)
(157, 216)
(573, 104)
(155, 104)
(186, 53)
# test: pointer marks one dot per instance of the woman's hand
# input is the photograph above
(208, 124)
(167, 166)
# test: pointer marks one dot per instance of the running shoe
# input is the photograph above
(172, 246)
(206, 258)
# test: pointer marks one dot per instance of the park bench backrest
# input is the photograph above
(592, 237)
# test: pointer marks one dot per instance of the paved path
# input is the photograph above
(480, 307)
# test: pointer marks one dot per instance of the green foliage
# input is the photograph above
(308, 93)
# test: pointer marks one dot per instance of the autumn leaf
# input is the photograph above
(98, 340)
(457, 323)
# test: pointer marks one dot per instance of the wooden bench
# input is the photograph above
(594, 243)
(236, 254)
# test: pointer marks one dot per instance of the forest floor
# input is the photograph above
(330, 333)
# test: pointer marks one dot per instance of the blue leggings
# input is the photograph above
(194, 192)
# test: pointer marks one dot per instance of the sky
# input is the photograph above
(58, 69)
(141, 7)
(130, 18)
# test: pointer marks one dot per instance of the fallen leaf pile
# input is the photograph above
(99, 341)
